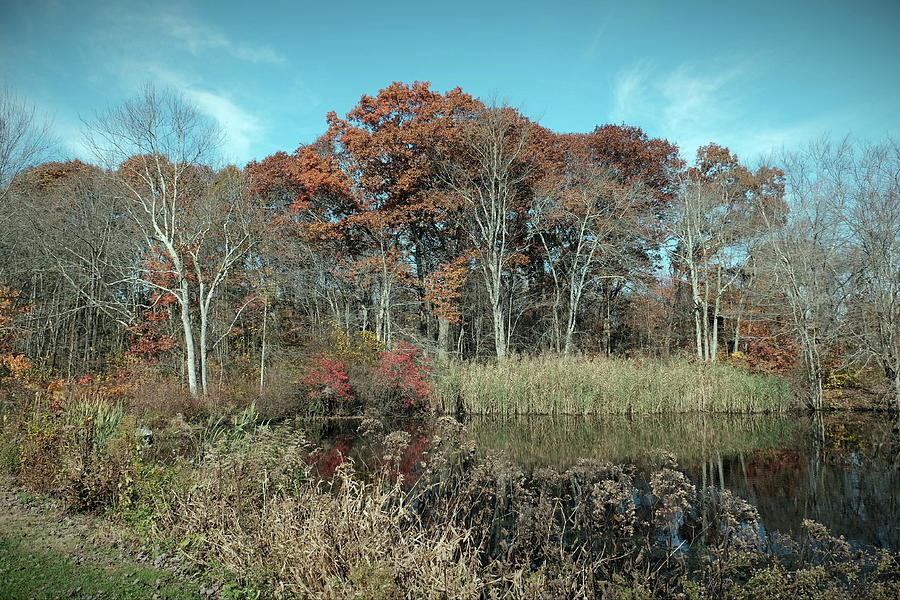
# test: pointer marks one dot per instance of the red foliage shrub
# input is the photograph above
(385, 381)
(402, 375)
(767, 350)
(328, 378)
(149, 339)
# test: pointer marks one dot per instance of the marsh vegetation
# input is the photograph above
(488, 509)
(169, 325)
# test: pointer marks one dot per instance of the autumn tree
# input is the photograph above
(386, 147)
(443, 294)
(716, 217)
(633, 157)
(305, 196)
(597, 219)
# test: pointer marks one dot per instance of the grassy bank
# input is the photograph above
(28, 575)
(47, 552)
(594, 386)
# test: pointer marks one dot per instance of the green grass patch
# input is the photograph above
(25, 574)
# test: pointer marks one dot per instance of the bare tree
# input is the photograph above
(24, 139)
(807, 253)
(224, 225)
(871, 178)
(488, 175)
(699, 223)
(76, 238)
(155, 147)
(582, 226)
(715, 224)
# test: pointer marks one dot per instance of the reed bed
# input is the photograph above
(602, 386)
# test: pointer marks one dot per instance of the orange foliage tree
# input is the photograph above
(386, 147)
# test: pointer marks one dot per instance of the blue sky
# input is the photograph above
(752, 75)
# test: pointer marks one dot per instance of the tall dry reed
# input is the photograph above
(593, 386)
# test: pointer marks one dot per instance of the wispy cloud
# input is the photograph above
(692, 107)
(630, 93)
(240, 126)
(600, 35)
(198, 39)
(692, 100)
(163, 45)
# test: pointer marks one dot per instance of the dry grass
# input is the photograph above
(585, 386)
(251, 508)
(257, 510)
(483, 529)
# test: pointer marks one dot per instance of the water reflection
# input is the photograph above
(840, 470)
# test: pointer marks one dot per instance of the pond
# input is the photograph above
(842, 469)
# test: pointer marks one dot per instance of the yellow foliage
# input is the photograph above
(16, 365)
(847, 379)
(359, 347)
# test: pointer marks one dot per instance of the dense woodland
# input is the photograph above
(437, 220)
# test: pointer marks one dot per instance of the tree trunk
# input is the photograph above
(443, 339)
(737, 330)
(190, 359)
(814, 379)
(493, 279)
(607, 326)
(499, 329)
(558, 345)
(568, 345)
(714, 348)
(698, 305)
(262, 350)
(698, 330)
(204, 326)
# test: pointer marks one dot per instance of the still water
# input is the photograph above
(842, 470)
